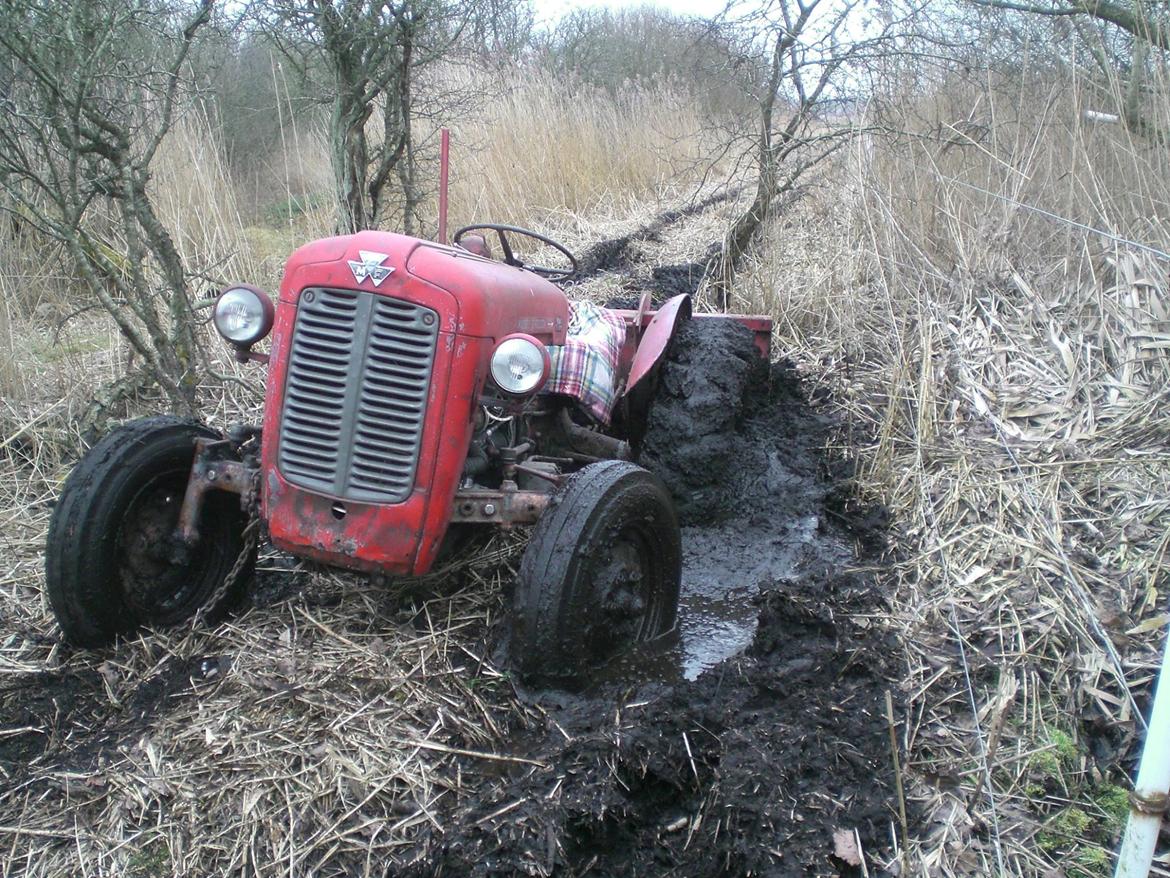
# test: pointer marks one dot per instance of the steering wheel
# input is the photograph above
(510, 258)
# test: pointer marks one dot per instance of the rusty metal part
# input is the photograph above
(245, 354)
(760, 325)
(250, 502)
(655, 341)
(536, 472)
(210, 471)
(509, 457)
(147, 572)
(592, 443)
(1153, 804)
(645, 304)
(503, 508)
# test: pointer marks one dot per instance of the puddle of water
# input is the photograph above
(713, 630)
(723, 569)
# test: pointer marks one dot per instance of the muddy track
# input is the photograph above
(616, 255)
(745, 747)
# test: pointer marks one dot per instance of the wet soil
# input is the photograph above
(72, 713)
(742, 748)
(620, 255)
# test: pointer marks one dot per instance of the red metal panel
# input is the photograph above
(399, 538)
(759, 324)
(656, 339)
(483, 298)
(494, 299)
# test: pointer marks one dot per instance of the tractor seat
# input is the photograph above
(586, 366)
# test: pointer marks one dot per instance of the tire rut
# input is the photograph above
(745, 747)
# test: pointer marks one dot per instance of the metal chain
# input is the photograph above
(251, 535)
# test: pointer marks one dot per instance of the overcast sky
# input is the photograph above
(551, 10)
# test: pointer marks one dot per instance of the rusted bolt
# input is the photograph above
(489, 508)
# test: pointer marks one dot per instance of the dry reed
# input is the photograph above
(1002, 380)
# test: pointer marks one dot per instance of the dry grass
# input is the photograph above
(545, 154)
(1003, 382)
(316, 732)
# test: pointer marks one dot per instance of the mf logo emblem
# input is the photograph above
(370, 266)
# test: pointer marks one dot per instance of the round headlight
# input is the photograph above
(520, 365)
(243, 315)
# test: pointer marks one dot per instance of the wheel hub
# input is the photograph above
(622, 589)
(155, 578)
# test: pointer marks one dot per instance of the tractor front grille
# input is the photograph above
(359, 371)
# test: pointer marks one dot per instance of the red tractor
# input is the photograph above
(415, 391)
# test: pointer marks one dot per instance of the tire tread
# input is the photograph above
(542, 597)
(90, 612)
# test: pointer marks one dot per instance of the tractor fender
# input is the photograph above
(656, 341)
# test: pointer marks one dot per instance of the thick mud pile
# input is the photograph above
(753, 767)
(725, 441)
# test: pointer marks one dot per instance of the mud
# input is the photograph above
(664, 282)
(745, 745)
(738, 749)
(74, 715)
(620, 254)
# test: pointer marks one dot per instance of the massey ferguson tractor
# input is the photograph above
(415, 391)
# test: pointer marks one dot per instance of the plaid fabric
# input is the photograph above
(585, 367)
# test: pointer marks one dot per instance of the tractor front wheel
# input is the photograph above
(112, 560)
(601, 572)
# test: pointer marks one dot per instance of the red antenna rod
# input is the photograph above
(444, 156)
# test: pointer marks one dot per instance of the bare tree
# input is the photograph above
(1148, 21)
(372, 52)
(88, 93)
(1120, 38)
(806, 101)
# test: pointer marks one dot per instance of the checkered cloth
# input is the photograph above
(585, 367)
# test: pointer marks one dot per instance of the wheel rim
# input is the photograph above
(158, 585)
(629, 587)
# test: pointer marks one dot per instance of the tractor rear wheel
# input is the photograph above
(601, 572)
(112, 561)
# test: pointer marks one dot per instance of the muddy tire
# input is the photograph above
(109, 559)
(601, 572)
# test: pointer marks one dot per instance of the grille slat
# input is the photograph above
(359, 375)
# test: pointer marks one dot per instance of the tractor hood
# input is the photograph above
(488, 299)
